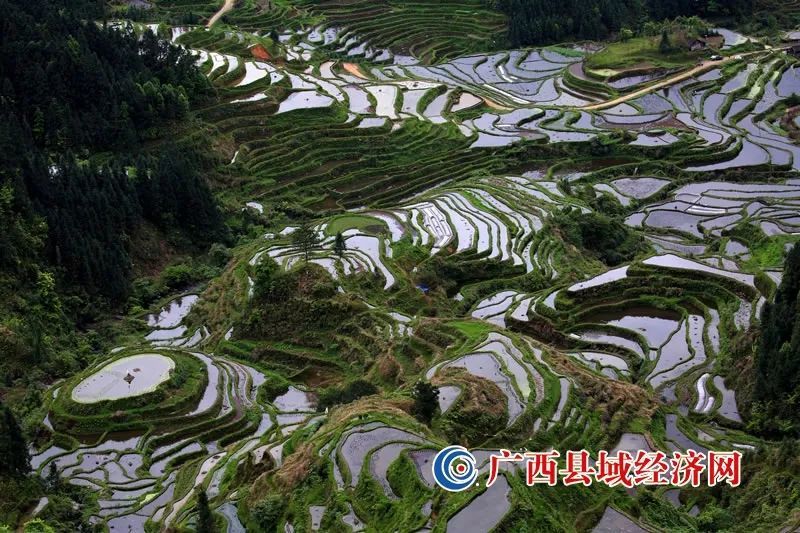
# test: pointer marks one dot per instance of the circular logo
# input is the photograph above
(454, 469)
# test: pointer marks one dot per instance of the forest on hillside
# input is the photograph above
(547, 21)
(82, 103)
(777, 361)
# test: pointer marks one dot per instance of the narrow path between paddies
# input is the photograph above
(355, 70)
(691, 73)
(227, 6)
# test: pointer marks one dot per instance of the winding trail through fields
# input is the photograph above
(672, 80)
(227, 6)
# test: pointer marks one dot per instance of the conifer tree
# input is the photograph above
(426, 400)
(339, 245)
(665, 46)
(53, 479)
(205, 520)
(14, 458)
(305, 239)
(777, 362)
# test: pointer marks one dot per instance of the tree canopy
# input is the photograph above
(547, 21)
(777, 362)
(610, 240)
(14, 458)
(77, 100)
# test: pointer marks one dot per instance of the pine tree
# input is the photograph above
(38, 125)
(305, 239)
(339, 245)
(205, 520)
(14, 458)
(426, 400)
(665, 46)
(53, 479)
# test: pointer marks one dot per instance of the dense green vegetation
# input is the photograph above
(345, 394)
(289, 305)
(544, 21)
(609, 239)
(476, 252)
(78, 99)
(13, 448)
(773, 15)
(777, 362)
(80, 104)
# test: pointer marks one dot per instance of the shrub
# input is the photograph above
(219, 254)
(347, 394)
(609, 239)
(38, 526)
(714, 518)
(268, 512)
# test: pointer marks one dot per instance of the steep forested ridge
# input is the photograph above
(78, 99)
(85, 161)
(79, 85)
(777, 364)
(543, 21)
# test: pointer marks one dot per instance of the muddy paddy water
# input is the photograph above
(124, 378)
(655, 325)
(484, 512)
(173, 313)
(295, 400)
(447, 395)
(486, 366)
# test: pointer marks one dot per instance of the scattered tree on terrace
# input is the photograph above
(608, 238)
(426, 400)
(305, 239)
(53, 479)
(205, 520)
(665, 46)
(339, 245)
(14, 458)
(219, 254)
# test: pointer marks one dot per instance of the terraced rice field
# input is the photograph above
(423, 153)
(414, 29)
(390, 107)
(151, 476)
